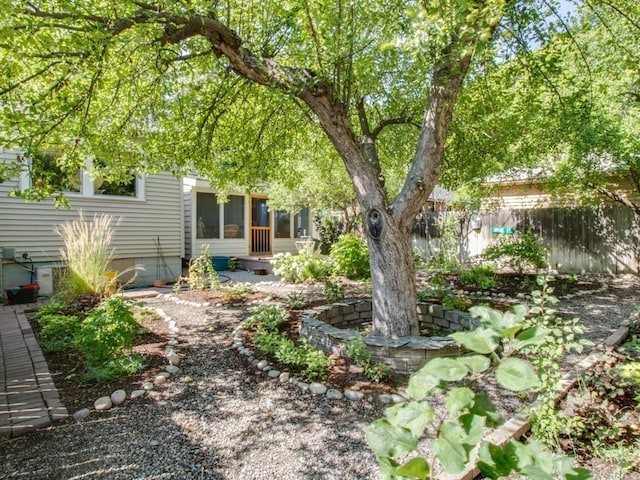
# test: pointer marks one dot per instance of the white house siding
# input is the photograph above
(30, 227)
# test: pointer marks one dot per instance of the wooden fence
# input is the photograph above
(604, 239)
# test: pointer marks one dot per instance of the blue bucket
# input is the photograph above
(220, 263)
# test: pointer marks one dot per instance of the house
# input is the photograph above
(149, 235)
(244, 226)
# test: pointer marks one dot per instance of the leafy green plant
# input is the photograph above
(296, 301)
(309, 360)
(300, 268)
(107, 331)
(236, 292)
(86, 253)
(115, 368)
(357, 350)
(350, 257)
(202, 273)
(482, 276)
(333, 290)
(519, 251)
(329, 231)
(57, 331)
(496, 348)
(563, 335)
(456, 302)
(234, 264)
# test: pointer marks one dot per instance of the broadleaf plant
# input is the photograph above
(499, 347)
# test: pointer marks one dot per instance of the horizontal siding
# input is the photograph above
(231, 248)
(283, 245)
(30, 227)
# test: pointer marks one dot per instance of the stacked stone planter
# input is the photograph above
(329, 326)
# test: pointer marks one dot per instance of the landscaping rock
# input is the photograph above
(103, 403)
(172, 369)
(82, 413)
(147, 385)
(284, 377)
(273, 373)
(384, 398)
(261, 364)
(317, 388)
(137, 393)
(333, 394)
(118, 397)
(353, 395)
(173, 359)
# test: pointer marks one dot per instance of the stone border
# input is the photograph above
(328, 326)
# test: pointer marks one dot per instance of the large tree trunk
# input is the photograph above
(392, 275)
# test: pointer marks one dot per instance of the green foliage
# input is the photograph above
(519, 251)
(107, 331)
(456, 302)
(497, 347)
(296, 301)
(115, 368)
(329, 231)
(351, 257)
(300, 268)
(202, 273)
(236, 292)
(57, 331)
(333, 290)
(357, 350)
(563, 337)
(265, 321)
(234, 264)
(482, 276)
(86, 254)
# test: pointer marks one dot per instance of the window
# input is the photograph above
(282, 222)
(234, 217)
(46, 172)
(207, 215)
(127, 187)
(301, 223)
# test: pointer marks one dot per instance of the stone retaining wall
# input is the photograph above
(329, 326)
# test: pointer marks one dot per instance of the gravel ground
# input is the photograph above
(230, 423)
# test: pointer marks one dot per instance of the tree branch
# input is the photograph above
(616, 197)
(400, 120)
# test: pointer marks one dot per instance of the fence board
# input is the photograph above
(603, 239)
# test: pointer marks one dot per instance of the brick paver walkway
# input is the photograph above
(28, 396)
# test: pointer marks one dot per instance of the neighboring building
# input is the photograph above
(243, 226)
(148, 211)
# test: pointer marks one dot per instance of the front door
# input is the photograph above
(260, 239)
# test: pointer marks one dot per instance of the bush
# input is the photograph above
(483, 276)
(57, 332)
(350, 257)
(519, 251)
(310, 361)
(300, 268)
(107, 331)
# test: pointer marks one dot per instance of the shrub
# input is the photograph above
(202, 274)
(310, 361)
(236, 292)
(360, 354)
(107, 331)
(519, 251)
(300, 268)
(333, 290)
(350, 257)
(115, 368)
(57, 332)
(482, 276)
(329, 230)
(87, 254)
